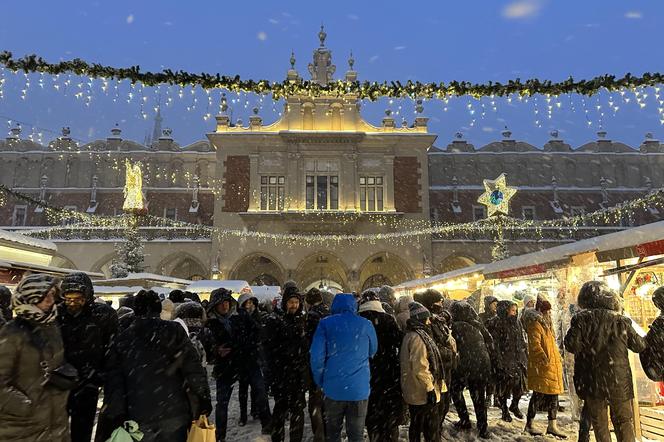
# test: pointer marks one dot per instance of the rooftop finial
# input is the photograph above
(322, 35)
(351, 61)
(224, 103)
(292, 60)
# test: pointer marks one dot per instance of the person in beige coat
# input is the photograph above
(422, 375)
(31, 409)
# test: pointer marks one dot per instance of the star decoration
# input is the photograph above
(497, 195)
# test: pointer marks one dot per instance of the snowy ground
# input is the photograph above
(502, 431)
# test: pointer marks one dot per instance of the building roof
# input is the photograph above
(27, 241)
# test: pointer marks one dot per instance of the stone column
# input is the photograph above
(388, 185)
(254, 184)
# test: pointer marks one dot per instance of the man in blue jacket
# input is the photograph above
(340, 352)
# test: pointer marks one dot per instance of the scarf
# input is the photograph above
(433, 353)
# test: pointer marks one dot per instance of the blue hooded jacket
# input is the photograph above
(340, 352)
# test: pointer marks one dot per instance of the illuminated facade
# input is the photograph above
(320, 169)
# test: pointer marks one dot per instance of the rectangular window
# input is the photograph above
(171, 213)
(371, 193)
(272, 192)
(19, 216)
(479, 212)
(528, 213)
(322, 192)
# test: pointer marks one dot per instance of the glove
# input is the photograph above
(431, 397)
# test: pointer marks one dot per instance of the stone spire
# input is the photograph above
(292, 76)
(156, 129)
(351, 75)
(322, 69)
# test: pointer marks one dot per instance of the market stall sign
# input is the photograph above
(650, 248)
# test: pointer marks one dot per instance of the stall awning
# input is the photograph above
(439, 279)
(629, 243)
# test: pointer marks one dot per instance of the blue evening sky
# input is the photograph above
(426, 40)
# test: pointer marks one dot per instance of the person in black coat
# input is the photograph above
(222, 351)
(474, 366)
(6, 314)
(156, 377)
(510, 358)
(247, 335)
(652, 359)
(87, 328)
(441, 322)
(316, 310)
(386, 409)
(287, 356)
(600, 337)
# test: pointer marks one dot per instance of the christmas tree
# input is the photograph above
(130, 254)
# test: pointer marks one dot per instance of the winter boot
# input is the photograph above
(506, 415)
(516, 412)
(243, 418)
(485, 434)
(530, 429)
(553, 430)
(462, 425)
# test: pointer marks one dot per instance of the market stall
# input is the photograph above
(458, 284)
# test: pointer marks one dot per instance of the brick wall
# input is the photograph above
(236, 186)
(407, 176)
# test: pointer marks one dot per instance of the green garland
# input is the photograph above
(364, 90)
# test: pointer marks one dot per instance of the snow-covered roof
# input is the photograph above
(477, 268)
(115, 289)
(612, 241)
(208, 285)
(146, 280)
(46, 269)
(27, 241)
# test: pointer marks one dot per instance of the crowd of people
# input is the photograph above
(361, 362)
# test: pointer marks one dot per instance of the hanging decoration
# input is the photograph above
(133, 189)
(364, 90)
(85, 225)
(497, 195)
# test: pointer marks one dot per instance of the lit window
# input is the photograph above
(272, 192)
(171, 213)
(19, 216)
(528, 213)
(371, 194)
(322, 192)
(479, 212)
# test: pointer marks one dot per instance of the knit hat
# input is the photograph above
(386, 294)
(369, 295)
(528, 298)
(543, 305)
(313, 296)
(78, 282)
(289, 292)
(177, 296)
(658, 298)
(418, 311)
(147, 303)
(31, 291)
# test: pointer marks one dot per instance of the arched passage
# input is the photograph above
(322, 268)
(384, 268)
(258, 269)
(455, 262)
(183, 265)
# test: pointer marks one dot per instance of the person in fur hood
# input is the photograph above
(600, 337)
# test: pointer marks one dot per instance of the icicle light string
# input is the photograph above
(370, 90)
(82, 221)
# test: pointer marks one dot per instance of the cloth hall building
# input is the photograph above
(320, 169)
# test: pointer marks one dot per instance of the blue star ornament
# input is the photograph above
(497, 195)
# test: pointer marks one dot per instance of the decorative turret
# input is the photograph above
(322, 69)
(351, 75)
(292, 76)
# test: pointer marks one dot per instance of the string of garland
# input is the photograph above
(567, 225)
(364, 90)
